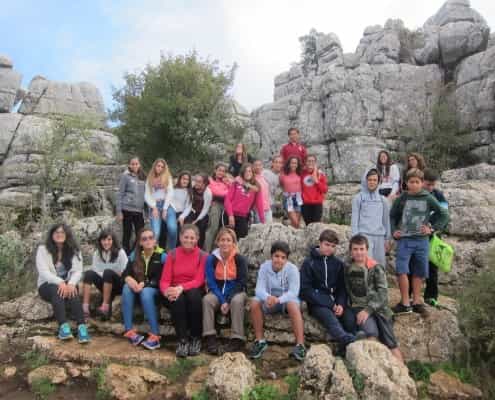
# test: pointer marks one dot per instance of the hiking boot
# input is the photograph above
(82, 334)
(432, 302)
(235, 345)
(182, 349)
(258, 349)
(402, 309)
(420, 309)
(134, 337)
(212, 345)
(64, 332)
(298, 352)
(152, 342)
(195, 346)
(361, 335)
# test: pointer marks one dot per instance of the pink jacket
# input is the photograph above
(218, 188)
(239, 201)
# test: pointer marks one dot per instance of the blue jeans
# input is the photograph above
(148, 297)
(171, 228)
(412, 256)
(156, 223)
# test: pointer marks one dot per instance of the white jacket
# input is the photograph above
(47, 272)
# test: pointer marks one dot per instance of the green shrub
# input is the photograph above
(34, 359)
(262, 391)
(201, 395)
(180, 369)
(102, 392)
(42, 388)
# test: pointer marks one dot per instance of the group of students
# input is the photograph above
(349, 298)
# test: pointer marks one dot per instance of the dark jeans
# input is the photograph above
(109, 276)
(431, 289)
(241, 225)
(312, 213)
(202, 225)
(131, 219)
(331, 323)
(48, 292)
(187, 313)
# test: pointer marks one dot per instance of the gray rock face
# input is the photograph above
(491, 40)
(8, 126)
(10, 82)
(50, 97)
(381, 45)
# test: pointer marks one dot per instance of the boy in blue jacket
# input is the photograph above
(323, 287)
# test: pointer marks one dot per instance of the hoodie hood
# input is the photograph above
(365, 192)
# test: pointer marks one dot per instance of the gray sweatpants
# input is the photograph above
(376, 249)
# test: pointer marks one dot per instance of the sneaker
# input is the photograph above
(152, 342)
(420, 309)
(82, 334)
(258, 349)
(298, 352)
(432, 302)
(134, 337)
(195, 346)
(182, 349)
(361, 335)
(402, 309)
(235, 345)
(212, 345)
(64, 332)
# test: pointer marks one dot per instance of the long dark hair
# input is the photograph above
(388, 164)
(140, 174)
(253, 180)
(69, 249)
(189, 186)
(114, 250)
(287, 170)
(138, 264)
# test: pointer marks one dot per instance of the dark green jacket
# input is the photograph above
(368, 288)
(410, 211)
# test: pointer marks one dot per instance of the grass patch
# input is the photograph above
(42, 388)
(263, 391)
(293, 383)
(180, 369)
(34, 359)
(201, 395)
(358, 379)
(420, 371)
(102, 392)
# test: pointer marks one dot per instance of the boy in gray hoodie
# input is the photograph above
(277, 291)
(371, 217)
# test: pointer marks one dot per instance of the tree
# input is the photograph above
(175, 110)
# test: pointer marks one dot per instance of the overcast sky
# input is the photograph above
(98, 40)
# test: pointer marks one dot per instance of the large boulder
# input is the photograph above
(447, 387)
(50, 97)
(51, 373)
(230, 376)
(10, 83)
(29, 307)
(385, 377)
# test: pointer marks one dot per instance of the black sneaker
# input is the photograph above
(258, 349)
(234, 345)
(212, 345)
(182, 349)
(195, 346)
(420, 309)
(298, 352)
(402, 309)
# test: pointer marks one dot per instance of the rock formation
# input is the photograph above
(349, 106)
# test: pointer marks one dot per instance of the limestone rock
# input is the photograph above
(491, 40)
(131, 382)
(51, 97)
(6, 61)
(8, 128)
(479, 172)
(446, 387)
(10, 82)
(230, 376)
(9, 372)
(54, 374)
(325, 376)
(29, 307)
(381, 45)
(384, 376)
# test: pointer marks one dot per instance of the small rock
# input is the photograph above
(72, 370)
(230, 376)
(447, 387)
(9, 372)
(54, 374)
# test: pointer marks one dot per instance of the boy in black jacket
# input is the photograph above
(323, 287)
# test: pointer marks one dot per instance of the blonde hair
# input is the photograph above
(226, 231)
(165, 176)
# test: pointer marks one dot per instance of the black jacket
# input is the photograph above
(153, 272)
(322, 280)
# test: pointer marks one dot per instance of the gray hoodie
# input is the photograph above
(370, 212)
(131, 193)
(283, 284)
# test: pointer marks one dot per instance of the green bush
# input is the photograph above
(34, 359)
(15, 278)
(42, 388)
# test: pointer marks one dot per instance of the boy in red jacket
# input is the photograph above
(294, 148)
(314, 189)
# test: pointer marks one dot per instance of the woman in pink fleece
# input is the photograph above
(219, 186)
(243, 195)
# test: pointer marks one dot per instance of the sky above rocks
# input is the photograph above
(99, 40)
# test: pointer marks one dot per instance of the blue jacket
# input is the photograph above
(225, 290)
(283, 284)
(322, 280)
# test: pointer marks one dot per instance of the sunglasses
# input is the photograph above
(146, 238)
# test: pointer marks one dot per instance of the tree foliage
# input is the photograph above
(174, 110)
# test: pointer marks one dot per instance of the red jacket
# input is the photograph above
(313, 192)
(184, 268)
(292, 149)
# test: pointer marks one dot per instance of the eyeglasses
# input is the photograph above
(146, 238)
(60, 232)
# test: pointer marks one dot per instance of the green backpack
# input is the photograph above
(441, 254)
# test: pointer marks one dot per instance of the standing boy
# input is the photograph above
(414, 216)
(314, 189)
(323, 287)
(367, 288)
(294, 148)
(277, 290)
(371, 217)
(431, 290)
